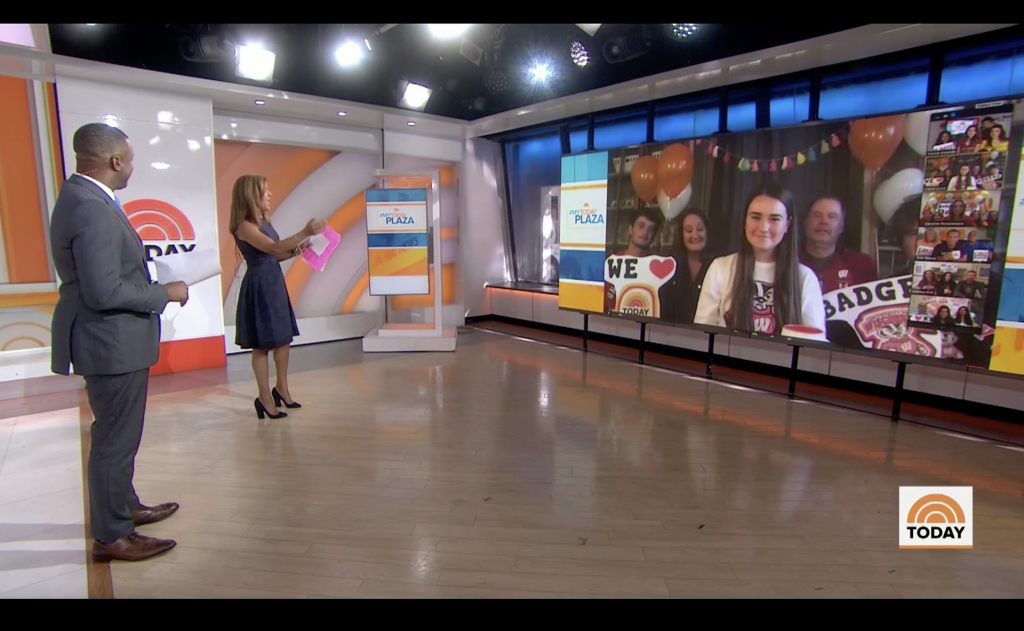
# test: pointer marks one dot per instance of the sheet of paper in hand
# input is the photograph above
(190, 268)
(636, 281)
(318, 243)
(318, 260)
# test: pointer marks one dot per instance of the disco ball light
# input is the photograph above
(496, 81)
(579, 54)
(682, 31)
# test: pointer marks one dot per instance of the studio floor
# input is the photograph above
(508, 469)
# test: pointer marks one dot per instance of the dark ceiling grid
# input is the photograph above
(485, 72)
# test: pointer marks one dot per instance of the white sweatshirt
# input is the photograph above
(715, 296)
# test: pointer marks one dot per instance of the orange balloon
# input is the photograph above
(645, 178)
(874, 140)
(675, 169)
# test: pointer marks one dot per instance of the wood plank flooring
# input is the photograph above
(512, 469)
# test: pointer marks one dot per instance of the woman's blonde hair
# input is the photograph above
(247, 201)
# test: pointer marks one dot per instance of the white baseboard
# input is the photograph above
(30, 363)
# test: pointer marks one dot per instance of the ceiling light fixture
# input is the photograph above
(415, 96)
(366, 40)
(540, 73)
(255, 62)
(348, 54)
(342, 114)
(259, 102)
(682, 31)
(579, 54)
(411, 123)
(447, 31)
(589, 29)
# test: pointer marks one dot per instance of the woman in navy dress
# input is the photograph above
(264, 320)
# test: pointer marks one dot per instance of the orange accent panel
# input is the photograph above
(46, 299)
(422, 302)
(186, 355)
(56, 155)
(449, 234)
(21, 210)
(341, 221)
(284, 167)
(357, 293)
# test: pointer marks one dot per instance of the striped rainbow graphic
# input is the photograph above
(27, 298)
(331, 185)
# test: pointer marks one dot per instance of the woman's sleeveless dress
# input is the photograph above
(264, 318)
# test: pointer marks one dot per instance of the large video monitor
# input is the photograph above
(894, 234)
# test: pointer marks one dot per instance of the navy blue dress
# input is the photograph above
(264, 318)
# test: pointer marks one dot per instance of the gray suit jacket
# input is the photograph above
(107, 319)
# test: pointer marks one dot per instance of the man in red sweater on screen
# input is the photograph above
(836, 266)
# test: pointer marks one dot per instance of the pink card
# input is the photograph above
(319, 261)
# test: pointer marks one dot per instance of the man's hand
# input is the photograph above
(177, 292)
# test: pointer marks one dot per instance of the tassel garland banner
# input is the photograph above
(784, 163)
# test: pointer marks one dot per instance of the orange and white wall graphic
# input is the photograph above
(29, 144)
(308, 183)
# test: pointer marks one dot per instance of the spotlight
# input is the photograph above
(256, 63)
(540, 73)
(259, 102)
(411, 123)
(447, 31)
(342, 113)
(579, 54)
(682, 31)
(348, 54)
(415, 96)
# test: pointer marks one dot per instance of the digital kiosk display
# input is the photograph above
(397, 239)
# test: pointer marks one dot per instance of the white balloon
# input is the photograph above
(918, 129)
(894, 191)
(672, 207)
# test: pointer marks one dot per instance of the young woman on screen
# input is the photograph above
(763, 287)
(693, 257)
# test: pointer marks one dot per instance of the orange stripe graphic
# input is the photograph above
(21, 209)
(285, 168)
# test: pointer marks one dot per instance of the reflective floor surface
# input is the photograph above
(517, 469)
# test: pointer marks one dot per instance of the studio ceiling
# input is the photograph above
(487, 70)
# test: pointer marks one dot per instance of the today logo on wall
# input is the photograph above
(166, 230)
(163, 228)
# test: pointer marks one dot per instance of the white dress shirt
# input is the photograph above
(103, 187)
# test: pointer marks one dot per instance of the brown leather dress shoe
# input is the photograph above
(151, 514)
(134, 547)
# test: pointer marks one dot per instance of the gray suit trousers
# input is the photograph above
(118, 405)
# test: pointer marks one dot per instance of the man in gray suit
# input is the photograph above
(107, 325)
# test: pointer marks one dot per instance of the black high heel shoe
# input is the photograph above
(261, 410)
(279, 400)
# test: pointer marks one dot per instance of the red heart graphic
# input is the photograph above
(663, 269)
